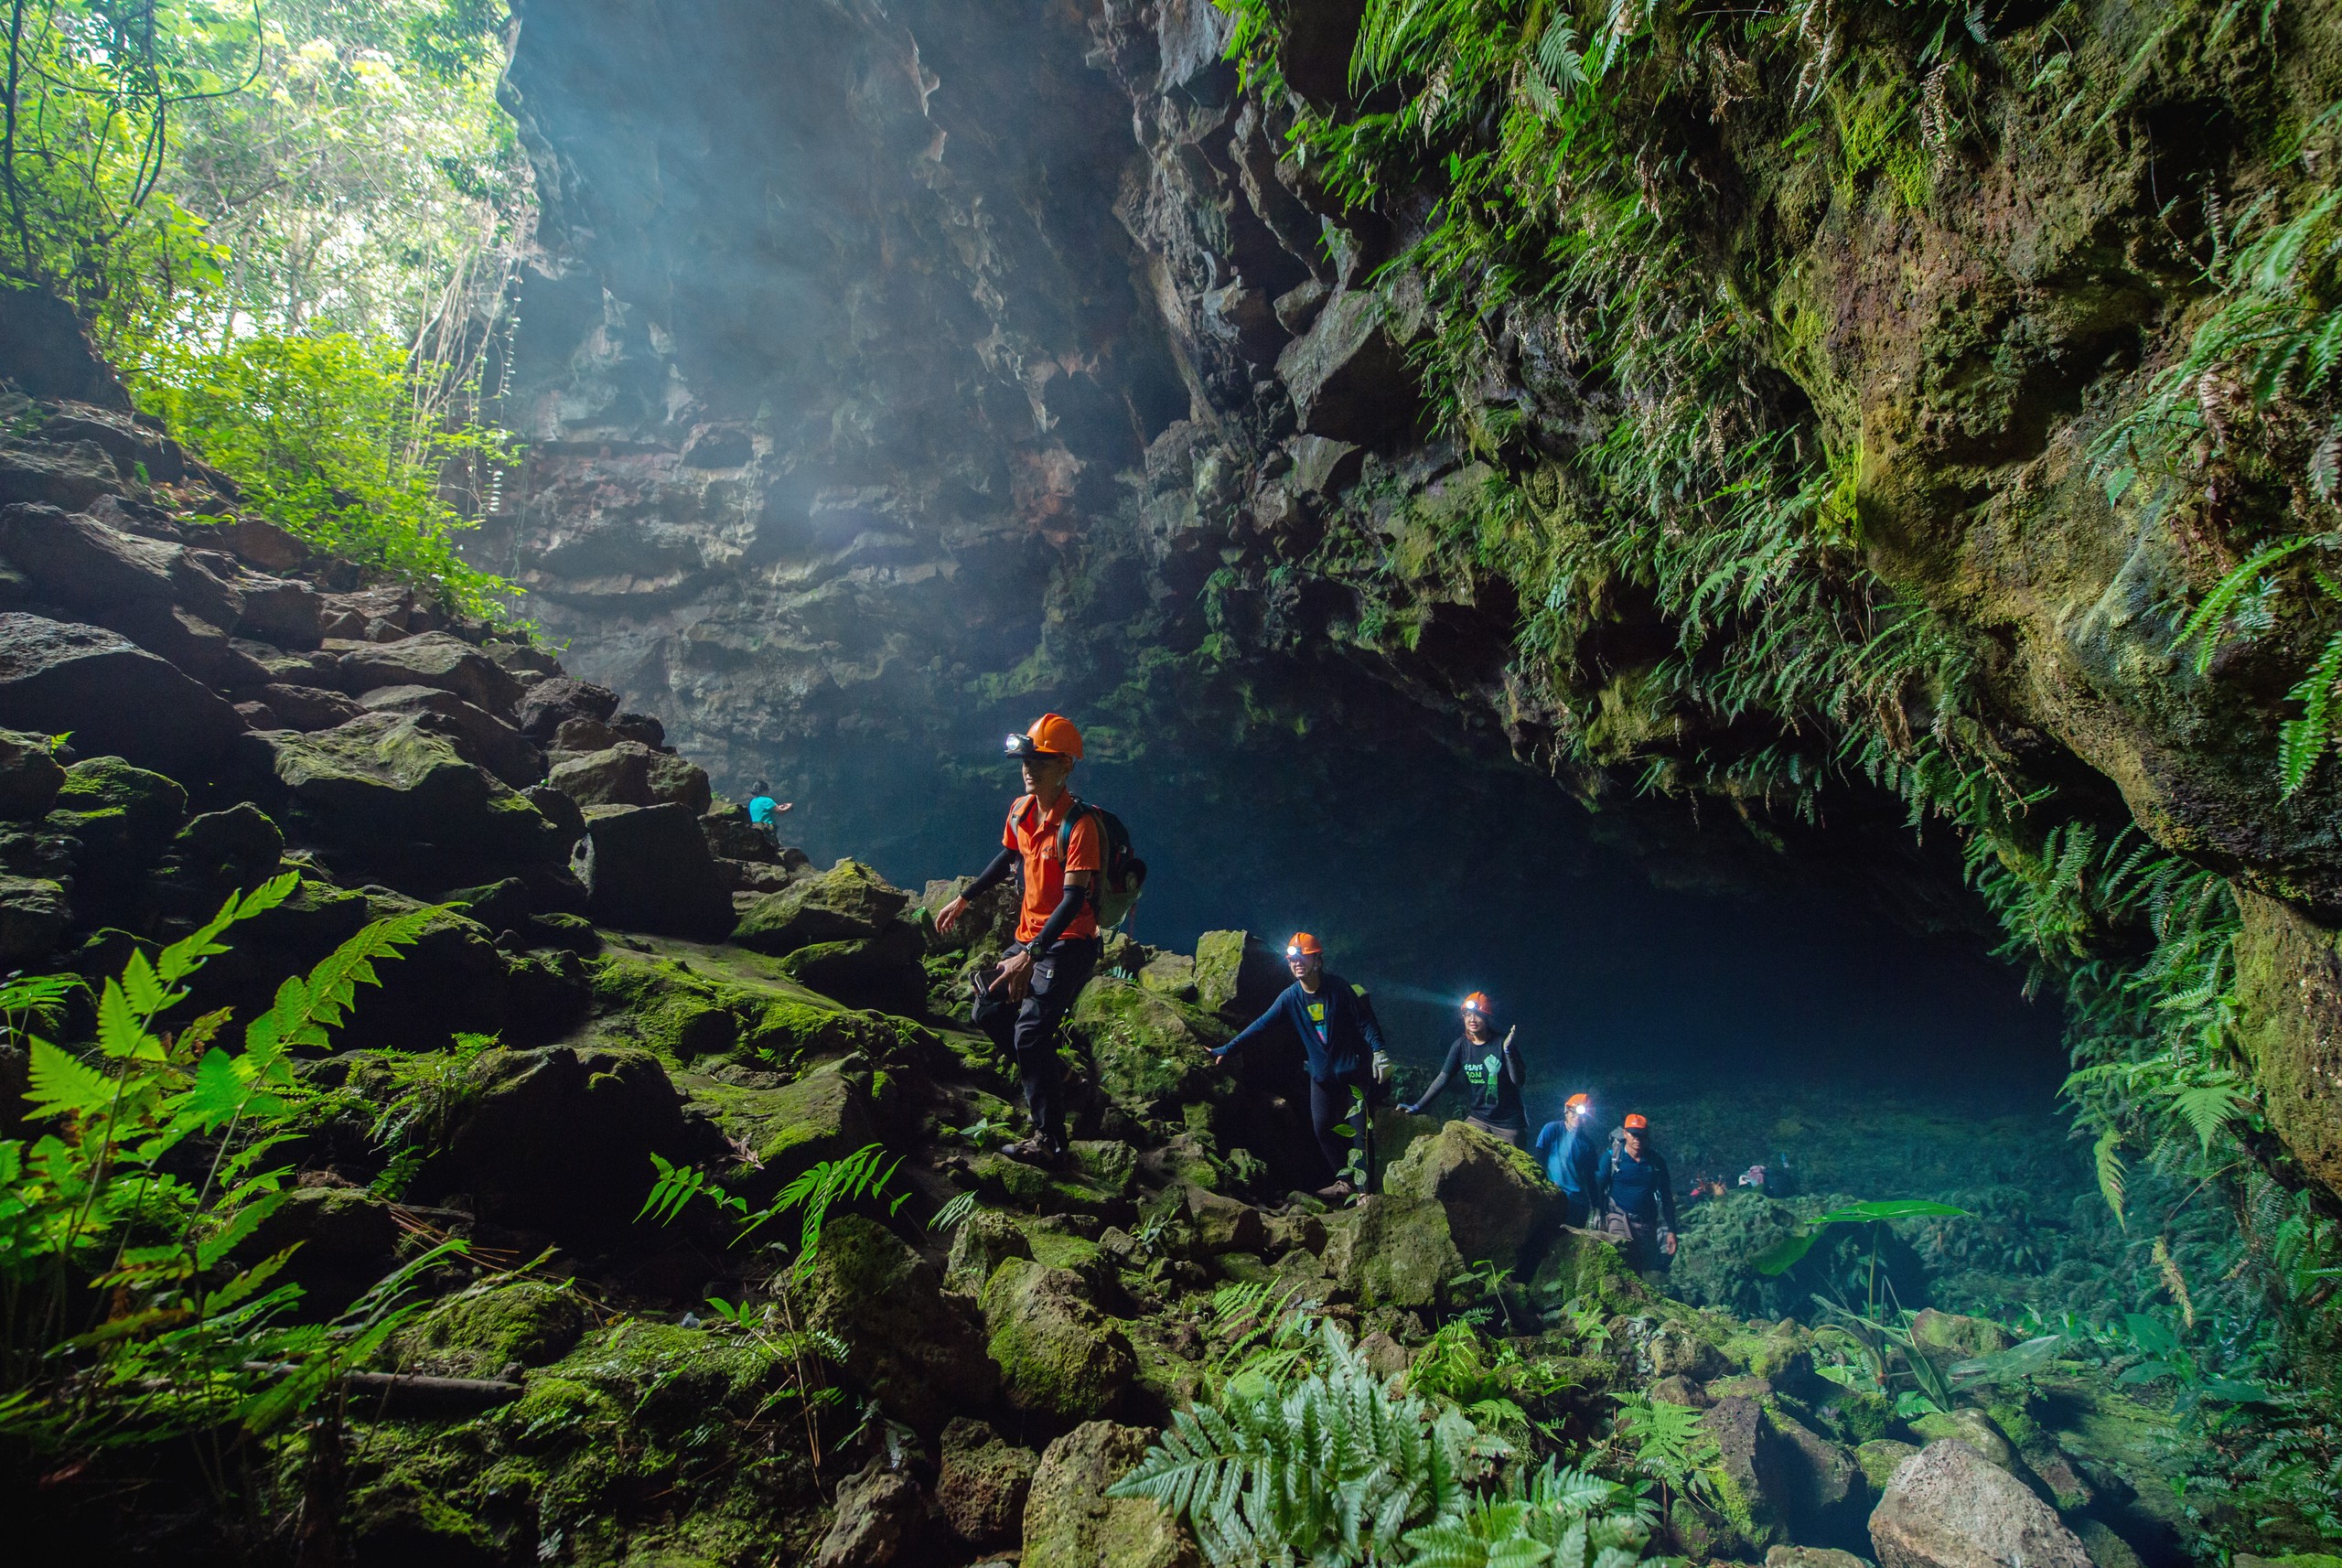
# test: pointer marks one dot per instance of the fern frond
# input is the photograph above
(2107, 1156)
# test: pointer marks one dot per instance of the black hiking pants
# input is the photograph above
(1027, 1030)
(1331, 1105)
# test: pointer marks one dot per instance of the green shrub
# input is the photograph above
(323, 435)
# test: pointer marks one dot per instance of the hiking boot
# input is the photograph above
(1035, 1151)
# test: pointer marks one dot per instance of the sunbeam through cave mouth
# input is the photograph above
(1171, 783)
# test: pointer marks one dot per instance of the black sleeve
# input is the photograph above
(1446, 1070)
(992, 875)
(1665, 1192)
(1061, 916)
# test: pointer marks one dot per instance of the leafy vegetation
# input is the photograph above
(1327, 1464)
(1544, 162)
(294, 224)
(135, 1310)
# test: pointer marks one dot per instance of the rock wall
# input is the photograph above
(898, 369)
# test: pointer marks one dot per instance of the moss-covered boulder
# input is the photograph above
(882, 972)
(1222, 1224)
(1880, 1458)
(1589, 1267)
(1070, 1523)
(1058, 1356)
(1973, 1427)
(849, 902)
(1823, 1489)
(1392, 1252)
(1958, 1337)
(559, 1140)
(1236, 976)
(788, 1125)
(681, 1009)
(979, 1245)
(1150, 1051)
(983, 1483)
(484, 1331)
(382, 782)
(1171, 975)
(907, 1342)
(1498, 1203)
(1039, 1190)
(1751, 1482)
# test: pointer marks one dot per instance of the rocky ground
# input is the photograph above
(623, 969)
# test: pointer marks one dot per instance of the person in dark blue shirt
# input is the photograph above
(1572, 1158)
(1342, 1041)
(1637, 1196)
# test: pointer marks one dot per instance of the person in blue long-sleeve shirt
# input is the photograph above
(1637, 1196)
(1572, 1158)
(1339, 1037)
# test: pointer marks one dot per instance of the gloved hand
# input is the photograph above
(1412, 1109)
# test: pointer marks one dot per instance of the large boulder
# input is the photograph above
(911, 1346)
(382, 784)
(1392, 1252)
(646, 868)
(50, 356)
(1059, 1355)
(33, 914)
(630, 774)
(983, 1483)
(433, 659)
(110, 694)
(1070, 1523)
(1348, 375)
(30, 774)
(484, 1331)
(845, 902)
(480, 736)
(552, 703)
(559, 1140)
(1236, 976)
(1752, 1481)
(1949, 1507)
(1497, 1201)
(1150, 1051)
(825, 1115)
(884, 973)
(879, 1510)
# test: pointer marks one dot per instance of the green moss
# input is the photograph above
(1880, 1457)
(482, 1331)
(1057, 1355)
(1150, 1050)
(1579, 1267)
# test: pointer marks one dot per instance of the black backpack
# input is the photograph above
(1121, 878)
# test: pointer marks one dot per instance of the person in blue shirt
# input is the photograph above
(1637, 1195)
(764, 811)
(1342, 1041)
(1572, 1158)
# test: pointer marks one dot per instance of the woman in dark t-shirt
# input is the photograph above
(1492, 1072)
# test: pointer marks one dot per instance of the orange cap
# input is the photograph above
(1302, 942)
(1052, 734)
(1577, 1102)
(1477, 1002)
(1637, 1121)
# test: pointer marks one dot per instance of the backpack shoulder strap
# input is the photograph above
(1074, 811)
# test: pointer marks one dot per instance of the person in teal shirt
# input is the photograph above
(764, 811)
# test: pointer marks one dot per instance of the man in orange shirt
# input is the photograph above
(1055, 845)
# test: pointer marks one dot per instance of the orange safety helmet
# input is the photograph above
(1304, 945)
(1578, 1102)
(1478, 1003)
(1052, 734)
(1637, 1123)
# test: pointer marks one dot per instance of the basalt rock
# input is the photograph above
(913, 1347)
(1497, 1201)
(1059, 1357)
(983, 1483)
(1949, 1507)
(110, 694)
(647, 868)
(1069, 1522)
